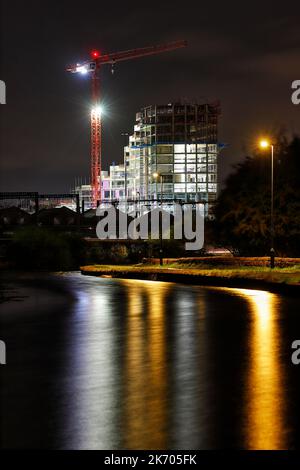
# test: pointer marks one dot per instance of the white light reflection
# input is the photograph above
(189, 388)
(92, 371)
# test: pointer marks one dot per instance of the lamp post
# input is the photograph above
(265, 144)
(156, 176)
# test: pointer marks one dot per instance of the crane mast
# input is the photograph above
(92, 67)
(96, 136)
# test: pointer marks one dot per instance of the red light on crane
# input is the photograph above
(95, 54)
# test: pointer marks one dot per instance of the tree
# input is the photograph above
(243, 207)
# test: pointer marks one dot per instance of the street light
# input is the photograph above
(156, 176)
(264, 144)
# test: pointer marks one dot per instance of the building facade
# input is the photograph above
(117, 181)
(172, 155)
(178, 143)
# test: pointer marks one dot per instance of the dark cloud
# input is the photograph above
(246, 56)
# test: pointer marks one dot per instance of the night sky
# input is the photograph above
(246, 56)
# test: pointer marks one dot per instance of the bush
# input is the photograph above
(38, 248)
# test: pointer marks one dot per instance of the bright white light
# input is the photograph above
(97, 110)
(82, 69)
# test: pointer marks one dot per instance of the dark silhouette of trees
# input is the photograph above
(243, 207)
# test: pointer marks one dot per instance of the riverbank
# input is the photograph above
(283, 280)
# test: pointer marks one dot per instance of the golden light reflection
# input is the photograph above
(145, 362)
(264, 401)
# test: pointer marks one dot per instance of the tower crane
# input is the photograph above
(92, 67)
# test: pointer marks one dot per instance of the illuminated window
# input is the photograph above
(201, 187)
(179, 188)
(212, 178)
(179, 168)
(202, 168)
(191, 178)
(191, 168)
(179, 148)
(191, 188)
(201, 148)
(212, 188)
(191, 148)
(201, 178)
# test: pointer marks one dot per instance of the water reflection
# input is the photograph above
(189, 374)
(91, 412)
(136, 364)
(145, 363)
(264, 400)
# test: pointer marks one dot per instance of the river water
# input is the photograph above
(99, 363)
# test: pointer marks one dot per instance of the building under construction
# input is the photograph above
(173, 153)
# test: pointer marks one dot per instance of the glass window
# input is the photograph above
(202, 168)
(201, 158)
(168, 187)
(191, 158)
(179, 148)
(191, 148)
(191, 168)
(201, 148)
(179, 178)
(179, 168)
(191, 188)
(167, 179)
(212, 178)
(201, 178)
(179, 158)
(165, 159)
(191, 178)
(179, 188)
(201, 187)
(164, 149)
(212, 188)
(164, 169)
